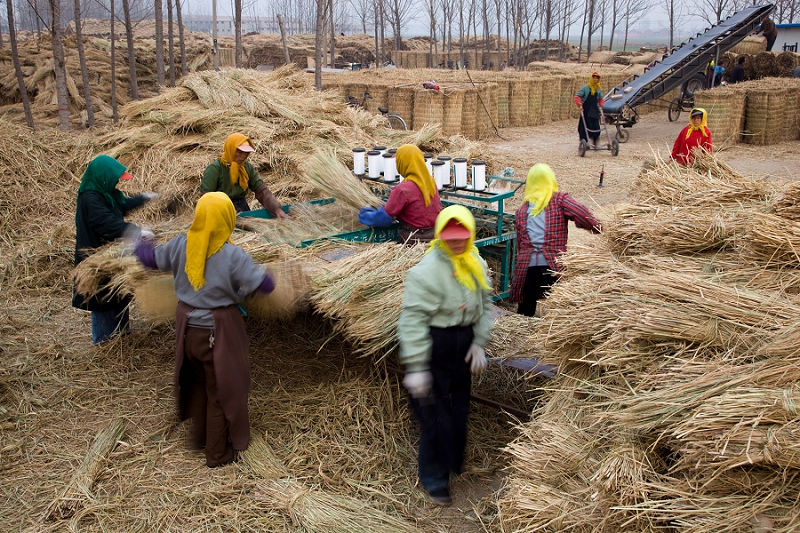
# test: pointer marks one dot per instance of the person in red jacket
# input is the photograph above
(695, 135)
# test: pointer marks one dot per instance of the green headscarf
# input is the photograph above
(102, 175)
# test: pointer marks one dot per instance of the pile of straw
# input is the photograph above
(676, 341)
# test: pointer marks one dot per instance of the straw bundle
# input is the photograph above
(726, 108)
(765, 65)
(78, 491)
(328, 174)
(485, 114)
(492, 103)
(401, 102)
(535, 111)
(564, 100)
(453, 111)
(428, 107)
(791, 121)
(469, 114)
(786, 204)
(292, 284)
(773, 240)
(380, 97)
(785, 62)
(518, 103)
(750, 45)
(503, 104)
(155, 298)
(551, 97)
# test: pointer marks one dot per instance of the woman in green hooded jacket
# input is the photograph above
(99, 219)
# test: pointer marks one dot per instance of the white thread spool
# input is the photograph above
(439, 170)
(374, 164)
(446, 176)
(358, 161)
(389, 167)
(478, 175)
(460, 172)
(428, 159)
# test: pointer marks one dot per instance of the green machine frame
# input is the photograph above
(496, 233)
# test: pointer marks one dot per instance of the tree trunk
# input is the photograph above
(319, 37)
(87, 93)
(333, 34)
(181, 41)
(583, 29)
(237, 30)
(114, 111)
(283, 40)
(134, 88)
(591, 27)
(159, 16)
(170, 44)
(23, 91)
(59, 66)
(375, 30)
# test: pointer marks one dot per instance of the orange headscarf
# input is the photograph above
(237, 171)
(411, 165)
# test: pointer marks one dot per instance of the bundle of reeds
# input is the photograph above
(725, 106)
(326, 173)
(785, 63)
(765, 65)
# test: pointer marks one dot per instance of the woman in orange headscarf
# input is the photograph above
(212, 371)
(695, 135)
(415, 202)
(233, 175)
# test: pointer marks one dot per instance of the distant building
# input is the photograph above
(788, 38)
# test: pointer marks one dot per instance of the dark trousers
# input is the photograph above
(591, 130)
(209, 428)
(538, 281)
(442, 416)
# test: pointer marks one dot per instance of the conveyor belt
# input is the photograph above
(684, 63)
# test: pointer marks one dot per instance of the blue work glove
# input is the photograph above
(376, 218)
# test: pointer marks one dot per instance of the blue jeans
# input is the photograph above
(106, 324)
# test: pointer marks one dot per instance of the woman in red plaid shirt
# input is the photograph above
(541, 224)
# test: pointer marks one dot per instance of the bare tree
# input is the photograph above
(87, 93)
(114, 114)
(170, 44)
(634, 11)
(673, 9)
(332, 47)
(159, 16)
(569, 16)
(134, 85)
(361, 9)
(237, 32)
(399, 11)
(319, 37)
(713, 11)
(23, 91)
(59, 65)
(181, 40)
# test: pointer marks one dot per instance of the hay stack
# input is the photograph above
(678, 373)
(565, 102)
(751, 45)
(401, 102)
(453, 111)
(764, 114)
(380, 97)
(503, 90)
(469, 114)
(518, 103)
(765, 65)
(428, 107)
(551, 96)
(726, 112)
(785, 63)
(535, 111)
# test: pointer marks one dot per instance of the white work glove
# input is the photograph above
(476, 359)
(149, 195)
(418, 384)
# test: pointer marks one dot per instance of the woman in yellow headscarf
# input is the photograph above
(542, 230)
(589, 99)
(233, 175)
(443, 328)
(414, 202)
(695, 135)
(212, 372)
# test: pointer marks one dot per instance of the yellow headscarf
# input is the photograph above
(214, 219)
(411, 165)
(237, 171)
(594, 85)
(539, 187)
(701, 127)
(467, 266)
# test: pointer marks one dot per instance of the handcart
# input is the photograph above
(611, 144)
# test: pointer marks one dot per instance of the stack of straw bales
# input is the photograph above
(765, 113)
(726, 112)
(786, 62)
(675, 406)
(750, 45)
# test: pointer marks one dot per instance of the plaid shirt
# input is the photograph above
(561, 209)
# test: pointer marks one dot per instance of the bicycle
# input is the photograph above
(393, 121)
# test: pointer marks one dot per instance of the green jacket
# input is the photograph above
(433, 297)
(585, 91)
(217, 178)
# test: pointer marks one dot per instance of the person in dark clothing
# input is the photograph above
(212, 371)
(590, 99)
(769, 31)
(737, 74)
(232, 174)
(99, 219)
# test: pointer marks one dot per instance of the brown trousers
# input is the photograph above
(209, 428)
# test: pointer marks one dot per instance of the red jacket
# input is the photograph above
(682, 149)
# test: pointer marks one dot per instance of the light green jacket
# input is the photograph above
(433, 297)
(217, 177)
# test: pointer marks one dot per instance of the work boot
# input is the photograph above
(441, 496)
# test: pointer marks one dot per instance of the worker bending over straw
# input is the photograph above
(542, 224)
(233, 175)
(443, 328)
(99, 219)
(415, 201)
(695, 135)
(212, 370)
